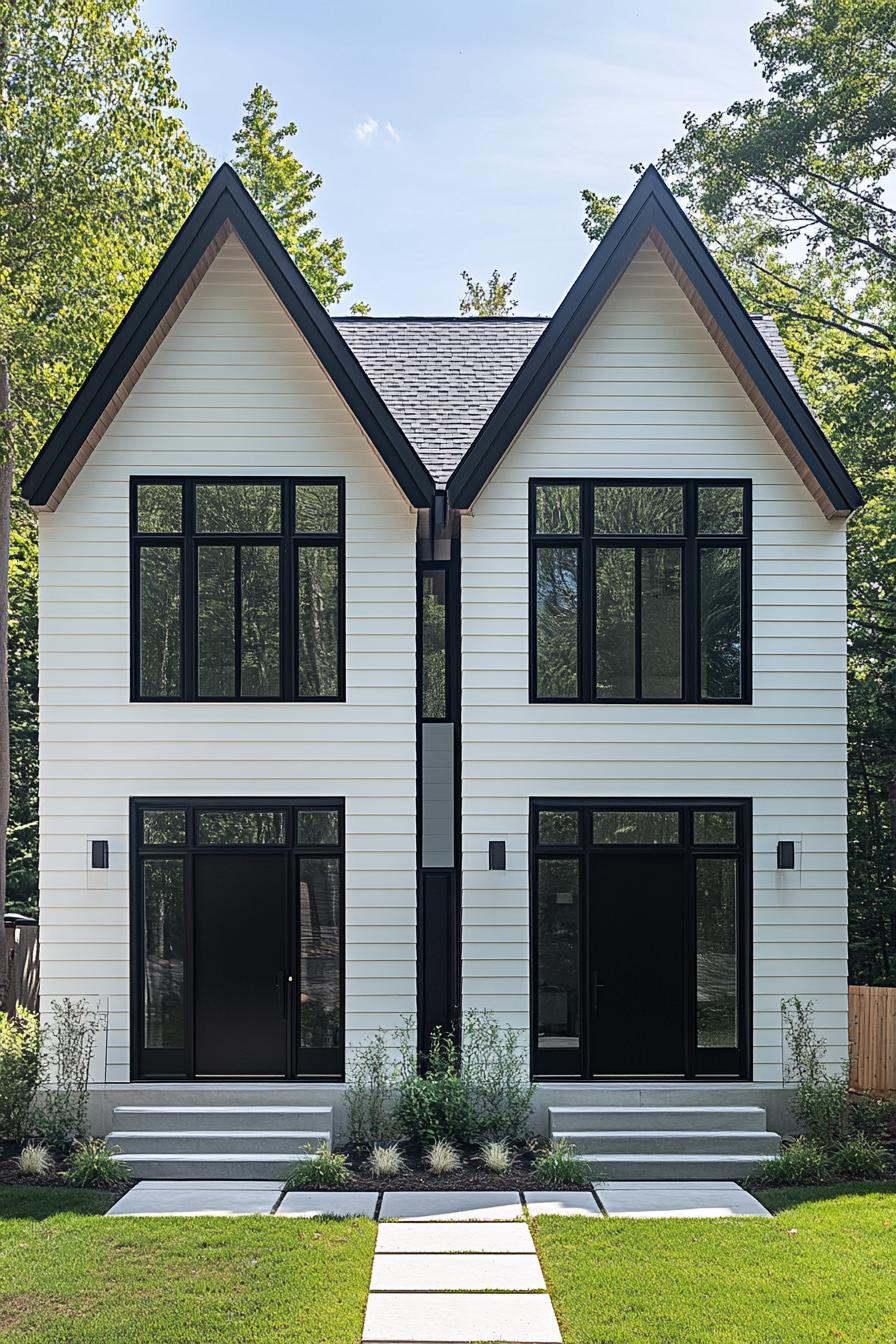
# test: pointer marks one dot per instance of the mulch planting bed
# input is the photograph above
(471, 1176)
(10, 1173)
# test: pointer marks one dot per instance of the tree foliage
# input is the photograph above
(491, 300)
(285, 189)
(792, 193)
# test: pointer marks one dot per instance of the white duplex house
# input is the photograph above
(400, 666)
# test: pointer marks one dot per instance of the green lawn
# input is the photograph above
(824, 1269)
(70, 1276)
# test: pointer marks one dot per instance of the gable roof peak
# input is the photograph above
(651, 213)
(224, 207)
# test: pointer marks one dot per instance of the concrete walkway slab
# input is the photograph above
(458, 1206)
(524, 1318)
(331, 1204)
(565, 1203)
(456, 1273)
(679, 1199)
(194, 1199)
(453, 1238)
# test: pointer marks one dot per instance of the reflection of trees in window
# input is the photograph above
(558, 952)
(163, 951)
(716, 952)
(557, 625)
(720, 622)
(319, 952)
(160, 621)
(318, 621)
(243, 827)
(433, 652)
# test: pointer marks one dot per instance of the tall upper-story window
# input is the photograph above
(640, 590)
(237, 589)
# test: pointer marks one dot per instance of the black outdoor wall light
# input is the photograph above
(786, 854)
(99, 853)
(497, 854)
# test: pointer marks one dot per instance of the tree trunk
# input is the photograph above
(6, 473)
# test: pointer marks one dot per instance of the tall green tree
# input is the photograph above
(96, 174)
(494, 299)
(285, 190)
(793, 193)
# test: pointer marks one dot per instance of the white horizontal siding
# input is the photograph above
(233, 389)
(646, 391)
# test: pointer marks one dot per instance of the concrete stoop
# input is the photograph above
(667, 1143)
(218, 1142)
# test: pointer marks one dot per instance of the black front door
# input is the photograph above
(637, 932)
(241, 955)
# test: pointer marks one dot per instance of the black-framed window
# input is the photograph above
(168, 838)
(238, 588)
(568, 837)
(640, 590)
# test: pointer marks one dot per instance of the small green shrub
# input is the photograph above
(386, 1160)
(497, 1156)
(323, 1170)
(35, 1159)
(20, 1070)
(821, 1100)
(69, 1035)
(92, 1163)
(870, 1116)
(433, 1105)
(442, 1158)
(861, 1159)
(804, 1162)
(369, 1093)
(495, 1073)
(561, 1165)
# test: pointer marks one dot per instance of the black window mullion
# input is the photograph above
(288, 580)
(690, 598)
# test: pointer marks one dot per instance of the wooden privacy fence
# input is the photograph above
(872, 1038)
(21, 959)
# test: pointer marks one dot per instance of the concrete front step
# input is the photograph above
(636, 1166)
(211, 1166)
(155, 1118)
(706, 1143)
(203, 1141)
(566, 1119)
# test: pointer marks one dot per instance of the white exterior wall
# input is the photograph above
(646, 390)
(233, 389)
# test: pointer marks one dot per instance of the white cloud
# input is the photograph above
(366, 130)
(390, 130)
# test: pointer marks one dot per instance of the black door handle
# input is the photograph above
(595, 986)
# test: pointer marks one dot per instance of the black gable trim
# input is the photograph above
(225, 200)
(651, 206)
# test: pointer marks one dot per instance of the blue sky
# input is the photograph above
(459, 136)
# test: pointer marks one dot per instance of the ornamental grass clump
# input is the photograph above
(497, 1156)
(93, 1165)
(560, 1164)
(386, 1160)
(35, 1159)
(441, 1158)
(323, 1170)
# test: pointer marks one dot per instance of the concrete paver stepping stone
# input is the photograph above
(194, 1199)
(456, 1273)
(460, 1206)
(565, 1203)
(452, 1238)
(524, 1318)
(335, 1204)
(679, 1199)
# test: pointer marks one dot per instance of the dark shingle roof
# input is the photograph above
(441, 377)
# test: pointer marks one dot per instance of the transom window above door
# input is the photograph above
(639, 590)
(238, 589)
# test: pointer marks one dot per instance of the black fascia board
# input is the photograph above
(650, 206)
(224, 200)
